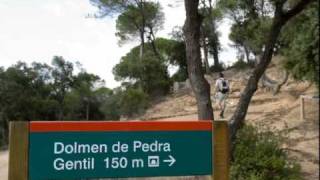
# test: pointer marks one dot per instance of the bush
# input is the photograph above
(180, 76)
(300, 45)
(258, 156)
(241, 65)
(133, 102)
(149, 73)
(217, 68)
(111, 108)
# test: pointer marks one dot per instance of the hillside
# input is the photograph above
(279, 113)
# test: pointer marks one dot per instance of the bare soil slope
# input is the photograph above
(279, 113)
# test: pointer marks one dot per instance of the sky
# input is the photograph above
(37, 30)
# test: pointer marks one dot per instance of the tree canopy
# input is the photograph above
(133, 21)
(136, 19)
(300, 45)
(150, 72)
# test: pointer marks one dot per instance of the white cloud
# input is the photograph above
(36, 30)
(228, 53)
(174, 16)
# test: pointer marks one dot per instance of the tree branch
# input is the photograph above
(296, 9)
(279, 20)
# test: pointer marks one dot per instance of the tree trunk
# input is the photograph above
(267, 82)
(199, 84)
(60, 116)
(238, 117)
(205, 52)
(282, 82)
(214, 36)
(142, 28)
(215, 54)
(152, 40)
(60, 109)
(280, 19)
(141, 44)
(272, 84)
(246, 51)
(88, 111)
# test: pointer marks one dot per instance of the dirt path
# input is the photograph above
(4, 165)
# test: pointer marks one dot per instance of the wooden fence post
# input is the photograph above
(221, 159)
(302, 108)
(18, 150)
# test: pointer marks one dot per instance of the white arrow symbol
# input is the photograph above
(172, 160)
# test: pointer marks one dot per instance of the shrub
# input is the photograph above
(258, 156)
(180, 76)
(217, 68)
(133, 102)
(300, 45)
(241, 65)
(149, 73)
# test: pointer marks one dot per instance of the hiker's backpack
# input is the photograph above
(224, 86)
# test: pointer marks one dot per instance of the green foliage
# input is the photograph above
(146, 77)
(111, 105)
(110, 7)
(177, 34)
(241, 65)
(299, 41)
(174, 53)
(133, 102)
(242, 10)
(23, 93)
(150, 73)
(212, 16)
(135, 18)
(127, 25)
(43, 92)
(258, 156)
(180, 76)
(251, 24)
(62, 75)
(300, 45)
(217, 68)
(127, 102)
(251, 33)
(83, 101)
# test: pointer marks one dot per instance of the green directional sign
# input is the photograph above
(84, 150)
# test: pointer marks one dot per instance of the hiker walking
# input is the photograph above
(221, 91)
